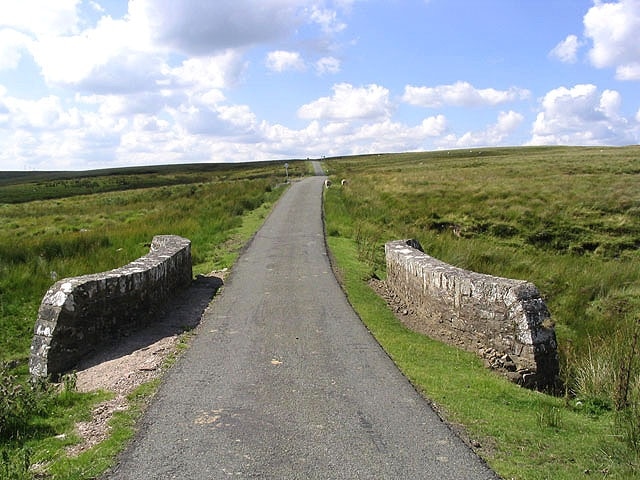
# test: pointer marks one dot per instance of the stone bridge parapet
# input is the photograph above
(78, 315)
(492, 316)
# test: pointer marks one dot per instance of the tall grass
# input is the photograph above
(45, 240)
(566, 219)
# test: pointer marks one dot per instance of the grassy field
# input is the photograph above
(55, 225)
(567, 219)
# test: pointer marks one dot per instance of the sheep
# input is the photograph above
(327, 183)
(343, 182)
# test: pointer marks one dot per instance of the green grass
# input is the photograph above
(93, 462)
(91, 233)
(565, 219)
(74, 232)
(522, 434)
(18, 187)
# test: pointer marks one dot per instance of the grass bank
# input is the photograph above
(563, 218)
(73, 235)
(522, 434)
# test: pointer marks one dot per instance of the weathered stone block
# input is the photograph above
(79, 314)
(491, 314)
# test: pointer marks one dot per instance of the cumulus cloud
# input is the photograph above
(22, 22)
(327, 65)
(222, 70)
(281, 60)
(327, 19)
(40, 17)
(48, 134)
(196, 27)
(582, 115)
(495, 134)
(347, 137)
(72, 59)
(461, 94)
(390, 136)
(349, 102)
(613, 28)
(228, 121)
(567, 50)
(12, 45)
(151, 83)
(629, 71)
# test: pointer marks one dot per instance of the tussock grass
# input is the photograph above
(76, 232)
(45, 240)
(563, 218)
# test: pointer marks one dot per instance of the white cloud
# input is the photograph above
(567, 50)
(196, 27)
(12, 46)
(45, 134)
(582, 115)
(111, 44)
(349, 102)
(222, 70)
(327, 19)
(495, 134)
(327, 65)
(348, 137)
(613, 28)
(44, 113)
(461, 94)
(24, 21)
(281, 60)
(389, 136)
(630, 71)
(40, 17)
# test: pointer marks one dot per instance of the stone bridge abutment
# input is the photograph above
(77, 315)
(492, 316)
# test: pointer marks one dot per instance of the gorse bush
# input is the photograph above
(19, 402)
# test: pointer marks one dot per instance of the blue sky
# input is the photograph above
(103, 83)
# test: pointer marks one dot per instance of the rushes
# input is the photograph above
(93, 233)
(565, 219)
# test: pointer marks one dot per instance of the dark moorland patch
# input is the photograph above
(18, 187)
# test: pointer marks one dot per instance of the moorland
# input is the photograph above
(565, 218)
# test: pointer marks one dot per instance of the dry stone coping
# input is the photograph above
(79, 314)
(500, 317)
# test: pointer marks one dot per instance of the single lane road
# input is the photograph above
(282, 380)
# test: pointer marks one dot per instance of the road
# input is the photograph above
(283, 381)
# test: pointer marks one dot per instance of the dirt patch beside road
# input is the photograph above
(139, 358)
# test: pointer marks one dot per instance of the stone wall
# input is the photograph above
(498, 318)
(79, 314)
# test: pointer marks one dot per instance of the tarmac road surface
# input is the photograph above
(283, 381)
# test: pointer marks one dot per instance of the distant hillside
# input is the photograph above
(19, 187)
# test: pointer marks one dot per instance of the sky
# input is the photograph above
(88, 84)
